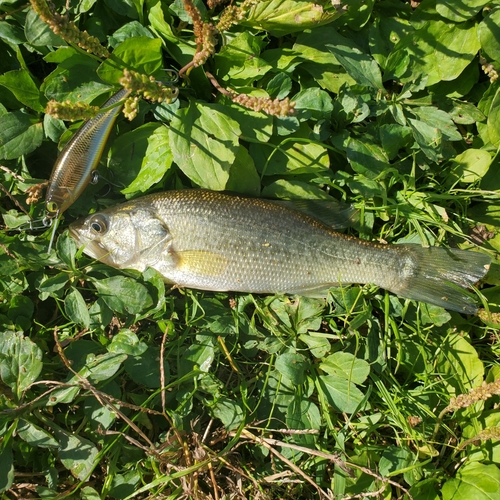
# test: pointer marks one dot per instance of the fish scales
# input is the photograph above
(265, 247)
(220, 242)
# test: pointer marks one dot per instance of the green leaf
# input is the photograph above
(387, 28)
(20, 361)
(35, 435)
(128, 153)
(459, 11)
(438, 118)
(347, 366)
(318, 345)
(459, 364)
(393, 460)
(313, 103)
(77, 454)
(493, 121)
(54, 283)
(293, 366)
(142, 54)
(394, 137)
(358, 13)
(429, 138)
(6, 467)
(145, 368)
(243, 176)
(156, 160)
(344, 397)
(66, 249)
(296, 158)
(127, 342)
(11, 33)
(197, 355)
(366, 157)
(303, 415)
(254, 126)
(471, 165)
(279, 86)
(229, 412)
(360, 66)
(434, 315)
(473, 480)
(38, 33)
(76, 308)
(124, 295)
(20, 134)
(204, 142)
(132, 29)
(20, 83)
(281, 17)
(439, 50)
(239, 60)
(74, 79)
(489, 34)
(125, 485)
(99, 415)
(102, 367)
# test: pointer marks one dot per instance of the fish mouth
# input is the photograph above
(90, 247)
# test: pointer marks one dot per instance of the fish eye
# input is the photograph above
(98, 224)
(52, 206)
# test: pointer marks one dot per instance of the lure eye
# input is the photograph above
(52, 207)
(98, 225)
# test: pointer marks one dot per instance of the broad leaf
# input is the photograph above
(440, 51)
(204, 142)
(77, 454)
(347, 366)
(142, 54)
(76, 308)
(293, 366)
(20, 361)
(20, 134)
(473, 480)
(21, 84)
(281, 17)
(124, 295)
(156, 161)
(343, 396)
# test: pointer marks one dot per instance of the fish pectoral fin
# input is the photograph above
(202, 262)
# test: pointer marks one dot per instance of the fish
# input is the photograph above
(222, 242)
(77, 162)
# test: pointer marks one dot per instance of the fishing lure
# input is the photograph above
(75, 167)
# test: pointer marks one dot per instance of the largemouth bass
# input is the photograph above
(220, 242)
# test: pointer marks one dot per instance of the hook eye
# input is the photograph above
(174, 77)
(34, 225)
(94, 177)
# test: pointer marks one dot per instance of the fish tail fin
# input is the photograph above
(441, 276)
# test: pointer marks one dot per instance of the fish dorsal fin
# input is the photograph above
(333, 213)
(202, 262)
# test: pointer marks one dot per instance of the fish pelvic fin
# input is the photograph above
(440, 276)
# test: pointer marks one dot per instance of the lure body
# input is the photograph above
(78, 160)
